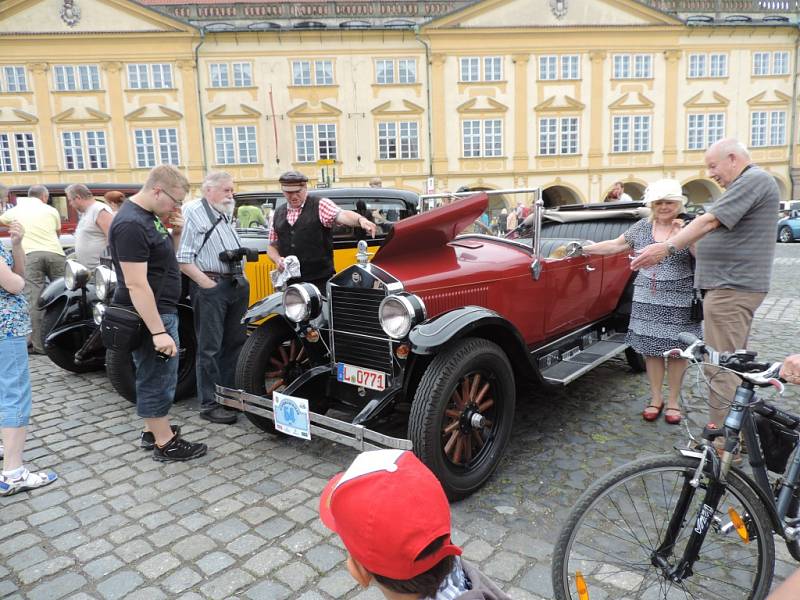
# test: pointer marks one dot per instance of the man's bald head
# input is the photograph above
(725, 160)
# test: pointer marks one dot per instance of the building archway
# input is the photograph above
(634, 189)
(701, 191)
(558, 195)
(783, 189)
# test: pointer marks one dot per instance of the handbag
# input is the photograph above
(696, 308)
(122, 329)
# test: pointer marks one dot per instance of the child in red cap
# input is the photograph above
(393, 517)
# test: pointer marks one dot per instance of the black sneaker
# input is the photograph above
(179, 449)
(148, 441)
(219, 414)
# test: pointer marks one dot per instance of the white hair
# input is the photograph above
(215, 179)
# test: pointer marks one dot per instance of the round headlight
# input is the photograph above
(301, 302)
(399, 313)
(97, 312)
(105, 281)
(75, 275)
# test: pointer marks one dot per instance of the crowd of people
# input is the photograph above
(725, 255)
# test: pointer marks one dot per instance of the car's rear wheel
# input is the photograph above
(785, 235)
(271, 358)
(462, 414)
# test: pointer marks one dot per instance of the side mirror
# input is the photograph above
(574, 249)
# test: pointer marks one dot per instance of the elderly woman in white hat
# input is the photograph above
(662, 296)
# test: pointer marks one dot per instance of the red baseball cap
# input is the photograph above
(387, 508)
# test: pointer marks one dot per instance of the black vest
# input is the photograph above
(308, 239)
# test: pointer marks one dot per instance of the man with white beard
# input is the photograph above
(218, 297)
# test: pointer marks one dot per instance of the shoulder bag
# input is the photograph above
(122, 329)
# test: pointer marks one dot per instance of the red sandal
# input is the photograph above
(652, 416)
(673, 419)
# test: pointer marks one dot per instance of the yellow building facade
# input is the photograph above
(567, 96)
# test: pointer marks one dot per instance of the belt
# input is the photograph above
(214, 276)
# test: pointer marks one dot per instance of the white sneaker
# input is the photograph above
(25, 481)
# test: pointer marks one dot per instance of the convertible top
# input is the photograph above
(588, 213)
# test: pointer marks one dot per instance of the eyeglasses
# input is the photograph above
(171, 197)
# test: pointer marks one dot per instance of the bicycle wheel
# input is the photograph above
(618, 523)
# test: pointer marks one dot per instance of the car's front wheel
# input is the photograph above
(785, 235)
(462, 414)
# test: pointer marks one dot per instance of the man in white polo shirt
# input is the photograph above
(44, 257)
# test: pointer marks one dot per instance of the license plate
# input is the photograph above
(291, 415)
(374, 380)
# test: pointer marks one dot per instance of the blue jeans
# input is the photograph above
(156, 379)
(218, 313)
(15, 383)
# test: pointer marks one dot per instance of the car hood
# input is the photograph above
(428, 231)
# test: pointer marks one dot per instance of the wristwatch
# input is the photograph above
(671, 249)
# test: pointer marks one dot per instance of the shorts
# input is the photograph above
(15, 382)
(156, 379)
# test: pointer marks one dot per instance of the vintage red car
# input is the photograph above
(441, 330)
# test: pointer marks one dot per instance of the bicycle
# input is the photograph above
(693, 524)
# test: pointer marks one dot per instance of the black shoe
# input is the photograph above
(218, 414)
(148, 441)
(179, 449)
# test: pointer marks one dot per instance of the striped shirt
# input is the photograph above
(196, 224)
(454, 584)
(738, 254)
(328, 211)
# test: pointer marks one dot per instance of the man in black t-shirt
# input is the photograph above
(148, 280)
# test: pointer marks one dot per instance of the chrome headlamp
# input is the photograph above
(97, 312)
(75, 275)
(105, 280)
(398, 313)
(302, 302)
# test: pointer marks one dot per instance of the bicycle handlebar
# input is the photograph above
(761, 374)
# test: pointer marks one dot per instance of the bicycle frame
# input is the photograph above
(740, 419)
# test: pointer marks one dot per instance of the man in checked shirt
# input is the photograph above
(302, 227)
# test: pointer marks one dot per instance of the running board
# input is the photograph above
(576, 362)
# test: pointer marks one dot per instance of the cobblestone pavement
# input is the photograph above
(242, 521)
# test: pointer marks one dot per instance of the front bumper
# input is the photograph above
(335, 430)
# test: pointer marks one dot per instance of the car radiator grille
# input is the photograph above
(358, 338)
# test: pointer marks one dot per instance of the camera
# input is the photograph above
(233, 258)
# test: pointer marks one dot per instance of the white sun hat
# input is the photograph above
(664, 189)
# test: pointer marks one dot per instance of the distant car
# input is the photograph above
(789, 228)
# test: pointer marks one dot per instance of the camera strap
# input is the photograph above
(210, 214)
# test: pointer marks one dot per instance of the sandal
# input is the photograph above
(673, 419)
(649, 415)
(26, 481)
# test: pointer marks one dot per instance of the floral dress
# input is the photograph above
(662, 298)
(15, 320)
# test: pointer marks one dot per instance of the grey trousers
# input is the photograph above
(40, 267)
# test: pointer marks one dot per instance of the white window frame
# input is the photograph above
(315, 141)
(761, 63)
(154, 146)
(569, 135)
(323, 72)
(469, 69)
(492, 68)
(313, 72)
(704, 129)
(14, 78)
(718, 65)
(407, 70)
(301, 72)
(384, 71)
(548, 67)
(235, 145)
(71, 78)
(780, 63)
(570, 67)
(18, 152)
(632, 66)
(777, 128)
(85, 150)
(150, 76)
(242, 74)
(698, 66)
(485, 138)
(398, 140)
(218, 75)
(631, 133)
(759, 128)
(559, 136)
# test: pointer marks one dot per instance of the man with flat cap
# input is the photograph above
(302, 227)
